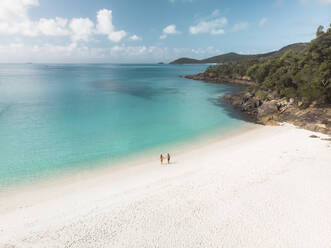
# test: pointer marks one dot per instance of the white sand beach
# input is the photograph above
(265, 187)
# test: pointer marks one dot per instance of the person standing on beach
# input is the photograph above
(168, 158)
(161, 158)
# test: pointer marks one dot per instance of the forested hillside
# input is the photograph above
(231, 57)
(304, 74)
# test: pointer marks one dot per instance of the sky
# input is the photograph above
(150, 31)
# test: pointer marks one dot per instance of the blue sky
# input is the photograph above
(152, 30)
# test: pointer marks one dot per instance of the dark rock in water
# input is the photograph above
(243, 102)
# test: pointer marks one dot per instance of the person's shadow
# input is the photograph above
(170, 163)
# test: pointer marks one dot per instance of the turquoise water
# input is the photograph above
(58, 117)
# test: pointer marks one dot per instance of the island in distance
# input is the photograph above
(229, 57)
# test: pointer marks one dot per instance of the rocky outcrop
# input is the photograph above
(267, 109)
(244, 102)
(273, 111)
(211, 77)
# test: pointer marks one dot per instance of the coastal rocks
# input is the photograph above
(243, 102)
(272, 112)
(214, 78)
(267, 109)
(252, 106)
(199, 76)
(312, 118)
(272, 109)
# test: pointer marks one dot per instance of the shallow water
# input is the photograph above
(58, 117)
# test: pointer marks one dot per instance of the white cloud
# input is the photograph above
(104, 18)
(78, 52)
(240, 26)
(135, 37)
(263, 21)
(129, 50)
(215, 13)
(214, 26)
(81, 28)
(53, 27)
(14, 20)
(64, 49)
(105, 26)
(15, 10)
(217, 31)
(18, 52)
(152, 53)
(140, 53)
(117, 36)
(169, 30)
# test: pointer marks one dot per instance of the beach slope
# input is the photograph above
(266, 187)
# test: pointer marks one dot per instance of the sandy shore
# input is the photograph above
(267, 187)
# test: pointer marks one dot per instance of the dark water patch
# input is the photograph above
(228, 108)
(4, 108)
(137, 90)
(230, 111)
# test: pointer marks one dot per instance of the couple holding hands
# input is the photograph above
(162, 157)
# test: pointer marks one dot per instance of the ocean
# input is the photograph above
(59, 117)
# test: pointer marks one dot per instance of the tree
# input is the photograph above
(320, 30)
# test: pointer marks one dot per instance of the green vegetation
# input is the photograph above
(185, 61)
(305, 74)
(230, 57)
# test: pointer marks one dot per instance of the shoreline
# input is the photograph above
(220, 80)
(272, 110)
(232, 192)
(93, 170)
(131, 158)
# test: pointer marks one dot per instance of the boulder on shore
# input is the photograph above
(267, 109)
